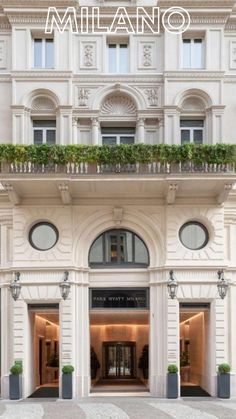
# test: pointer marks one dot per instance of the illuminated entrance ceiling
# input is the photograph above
(117, 317)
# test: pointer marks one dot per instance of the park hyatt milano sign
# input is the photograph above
(135, 298)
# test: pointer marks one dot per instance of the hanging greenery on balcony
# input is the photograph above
(120, 154)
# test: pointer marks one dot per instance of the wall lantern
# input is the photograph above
(172, 285)
(222, 284)
(15, 286)
(65, 286)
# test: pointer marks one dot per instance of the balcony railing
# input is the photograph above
(137, 159)
(84, 168)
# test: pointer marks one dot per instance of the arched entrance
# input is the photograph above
(119, 314)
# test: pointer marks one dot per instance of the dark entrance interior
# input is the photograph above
(120, 359)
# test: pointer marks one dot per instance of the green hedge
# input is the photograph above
(123, 154)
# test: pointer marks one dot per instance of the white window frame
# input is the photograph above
(43, 57)
(44, 130)
(191, 130)
(118, 137)
(192, 39)
(118, 48)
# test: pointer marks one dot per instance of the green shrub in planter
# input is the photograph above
(224, 368)
(68, 369)
(172, 369)
(67, 388)
(15, 382)
(172, 381)
(223, 381)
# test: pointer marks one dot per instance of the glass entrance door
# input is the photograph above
(119, 359)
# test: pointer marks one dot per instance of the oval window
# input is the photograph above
(194, 235)
(43, 236)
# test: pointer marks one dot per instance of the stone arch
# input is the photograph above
(100, 222)
(118, 89)
(39, 96)
(197, 96)
(118, 104)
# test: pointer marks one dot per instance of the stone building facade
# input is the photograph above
(118, 89)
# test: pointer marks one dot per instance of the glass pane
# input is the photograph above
(109, 140)
(191, 123)
(38, 136)
(141, 253)
(118, 130)
(197, 54)
(185, 136)
(44, 124)
(38, 53)
(49, 53)
(198, 136)
(43, 236)
(124, 59)
(126, 247)
(193, 236)
(126, 140)
(127, 361)
(112, 58)
(186, 53)
(51, 136)
(111, 248)
(112, 367)
(96, 252)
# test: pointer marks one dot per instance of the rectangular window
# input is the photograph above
(193, 53)
(116, 136)
(192, 131)
(118, 58)
(44, 132)
(43, 53)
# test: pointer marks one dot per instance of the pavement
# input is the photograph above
(119, 408)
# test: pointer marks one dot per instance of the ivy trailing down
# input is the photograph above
(120, 154)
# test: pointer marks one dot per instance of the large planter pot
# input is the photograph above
(15, 386)
(172, 386)
(223, 386)
(67, 392)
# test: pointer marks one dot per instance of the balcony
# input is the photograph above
(135, 159)
(159, 173)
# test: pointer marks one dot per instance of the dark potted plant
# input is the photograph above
(94, 363)
(172, 381)
(15, 382)
(144, 362)
(223, 381)
(67, 388)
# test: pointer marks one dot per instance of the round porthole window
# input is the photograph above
(43, 236)
(194, 235)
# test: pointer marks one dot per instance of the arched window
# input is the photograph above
(118, 248)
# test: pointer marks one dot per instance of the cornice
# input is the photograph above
(41, 74)
(194, 75)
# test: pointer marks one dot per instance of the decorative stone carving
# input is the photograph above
(147, 55)
(233, 55)
(89, 55)
(42, 103)
(118, 105)
(152, 95)
(83, 96)
(75, 121)
(3, 54)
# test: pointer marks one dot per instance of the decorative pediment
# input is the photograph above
(118, 105)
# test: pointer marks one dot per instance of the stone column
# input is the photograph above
(82, 350)
(141, 130)
(75, 130)
(95, 131)
(161, 131)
